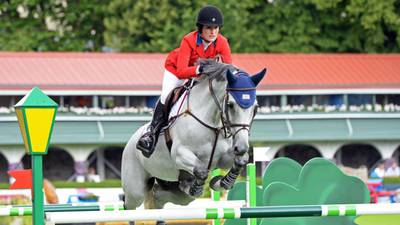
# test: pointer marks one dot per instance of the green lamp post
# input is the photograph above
(36, 113)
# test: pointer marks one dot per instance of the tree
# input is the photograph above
(306, 26)
(148, 26)
(325, 26)
(56, 25)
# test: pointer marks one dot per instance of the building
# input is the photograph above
(344, 107)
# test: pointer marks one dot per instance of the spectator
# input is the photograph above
(393, 170)
(379, 171)
(50, 192)
(92, 176)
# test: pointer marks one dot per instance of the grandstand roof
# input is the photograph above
(137, 72)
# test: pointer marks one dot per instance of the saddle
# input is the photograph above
(173, 97)
(171, 100)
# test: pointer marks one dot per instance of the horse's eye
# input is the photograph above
(230, 105)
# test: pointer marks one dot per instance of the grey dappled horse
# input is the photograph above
(211, 132)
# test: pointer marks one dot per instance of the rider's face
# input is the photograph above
(209, 33)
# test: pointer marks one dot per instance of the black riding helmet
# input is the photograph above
(210, 15)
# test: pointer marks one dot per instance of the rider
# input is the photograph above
(181, 64)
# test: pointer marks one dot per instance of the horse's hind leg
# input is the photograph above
(163, 192)
(134, 177)
(169, 192)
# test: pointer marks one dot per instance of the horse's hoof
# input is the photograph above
(225, 184)
(195, 192)
(160, 222)
(215, 183)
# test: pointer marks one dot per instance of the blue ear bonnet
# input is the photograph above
(244, 98)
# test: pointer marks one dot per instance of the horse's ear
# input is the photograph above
(231, 78)
(259, 76)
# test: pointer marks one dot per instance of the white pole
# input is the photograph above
(127, 215)
(223, 213)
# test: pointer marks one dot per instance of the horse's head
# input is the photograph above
(240, 106)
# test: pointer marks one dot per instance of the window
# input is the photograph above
(394, 99)
(360, 99)
(381, 99)
(78, 101)
(137, 101)
(273, 100)
(336, 100)
(305, 100)
(5, 101)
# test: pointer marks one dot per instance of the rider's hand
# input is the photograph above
(207, 67)
(218, 58)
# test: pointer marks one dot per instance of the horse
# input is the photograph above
(210, 131)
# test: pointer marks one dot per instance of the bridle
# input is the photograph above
(227, 125)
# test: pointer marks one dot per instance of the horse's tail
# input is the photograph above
(149, 200)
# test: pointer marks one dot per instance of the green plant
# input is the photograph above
(20, 200)
(103, 184)
(391, 180)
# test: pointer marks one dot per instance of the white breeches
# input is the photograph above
(170, 81)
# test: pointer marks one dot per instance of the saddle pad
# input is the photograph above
(177, 108)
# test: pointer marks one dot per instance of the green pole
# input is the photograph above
(251, 190)
(26, 210)
(37, 195)
(216, 195)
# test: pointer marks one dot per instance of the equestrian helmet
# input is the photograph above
(210, 15)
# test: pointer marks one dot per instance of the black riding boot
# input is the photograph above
(148, 141)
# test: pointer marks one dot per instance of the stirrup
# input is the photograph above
(147, 150)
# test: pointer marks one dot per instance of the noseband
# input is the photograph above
(227, 125)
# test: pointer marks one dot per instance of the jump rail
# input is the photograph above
(26, 210)
(223, 213)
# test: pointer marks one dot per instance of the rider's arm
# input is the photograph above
(225, 51)
(184, 71)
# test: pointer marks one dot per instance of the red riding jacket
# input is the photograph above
(181, 61)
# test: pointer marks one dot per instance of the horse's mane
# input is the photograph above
(219, 70)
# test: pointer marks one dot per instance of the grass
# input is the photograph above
(70, 184)
(378, 220)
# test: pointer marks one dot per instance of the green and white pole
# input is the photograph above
(251, 190)
(26, 210)
(37, 189)
(216, 195)
(223, 213)
(36, 114)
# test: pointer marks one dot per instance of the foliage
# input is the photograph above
(391, 180)
(103, 184)
(378, 219)
(307, 26)
(319, 181)
(55, 25)
(69, 184)
(148, 26)
(24, 220)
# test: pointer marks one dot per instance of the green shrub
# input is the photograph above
(6, 220)
(391, 180)
(103, 184)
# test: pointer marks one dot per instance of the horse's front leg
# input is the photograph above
(226, 182)
(194, 173)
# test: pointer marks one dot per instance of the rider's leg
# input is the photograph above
(149, 139)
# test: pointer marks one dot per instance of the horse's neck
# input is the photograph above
(202, 104)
